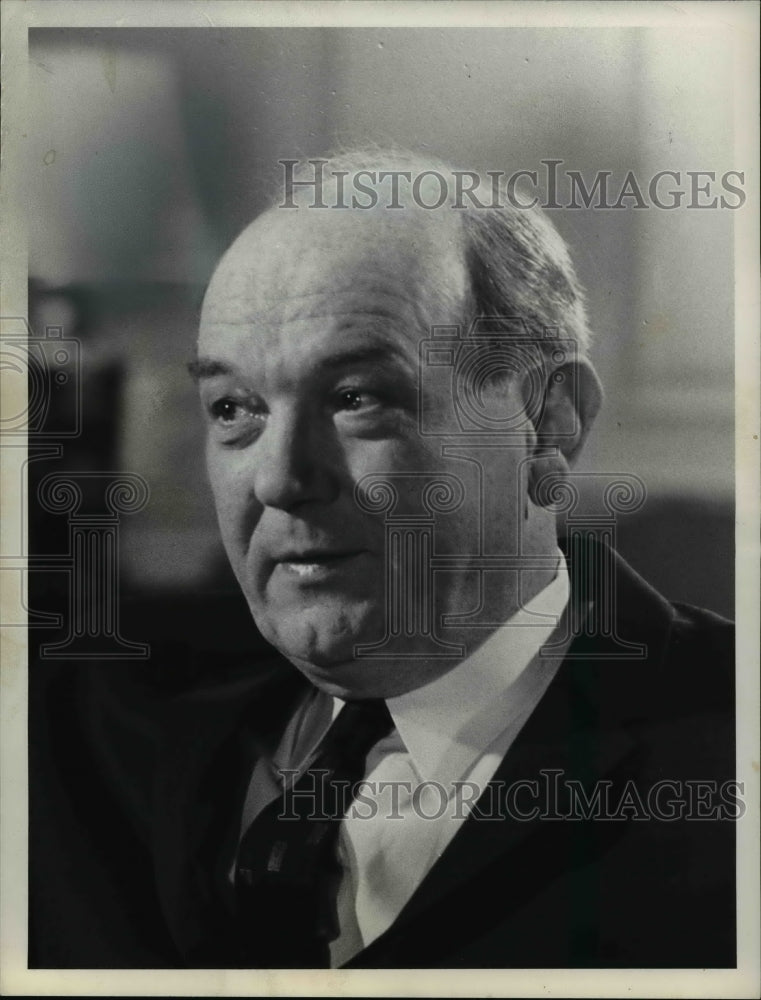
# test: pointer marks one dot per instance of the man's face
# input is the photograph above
(308, 356)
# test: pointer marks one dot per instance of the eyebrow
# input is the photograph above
(205, 367)
(208, 367)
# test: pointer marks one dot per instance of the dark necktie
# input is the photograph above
(287, 872)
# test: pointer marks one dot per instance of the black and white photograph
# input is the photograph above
(381, 499)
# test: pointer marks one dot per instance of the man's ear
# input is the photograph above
(573, 395)
(572, 398)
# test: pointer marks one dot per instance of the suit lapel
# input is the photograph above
(204, 767)
(551, 750)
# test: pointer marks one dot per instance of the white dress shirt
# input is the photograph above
(422, 779)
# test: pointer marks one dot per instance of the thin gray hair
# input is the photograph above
(518, 264)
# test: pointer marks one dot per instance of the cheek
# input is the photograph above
(409, 452)
(236, 514)
(363, 456)
(406, 464)
(219, 480)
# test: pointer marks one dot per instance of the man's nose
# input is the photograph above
(295, 463)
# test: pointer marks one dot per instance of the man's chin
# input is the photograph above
(337, 671)
(325, 652)
(324, 645)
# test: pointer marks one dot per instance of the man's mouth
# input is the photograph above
(315, 564)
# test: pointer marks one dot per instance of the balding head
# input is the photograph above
(284, 256)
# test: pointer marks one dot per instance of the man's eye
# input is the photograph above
(233, 420)
(226, 411)
(355, 400)
(351, 399)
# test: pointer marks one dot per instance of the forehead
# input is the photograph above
(296, 276)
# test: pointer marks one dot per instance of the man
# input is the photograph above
(394, 397)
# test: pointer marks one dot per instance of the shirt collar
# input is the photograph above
(447, 724)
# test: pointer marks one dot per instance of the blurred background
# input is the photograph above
(152, 149)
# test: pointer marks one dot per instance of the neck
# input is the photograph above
(498, 596)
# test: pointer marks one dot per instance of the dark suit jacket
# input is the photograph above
(138, 771)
